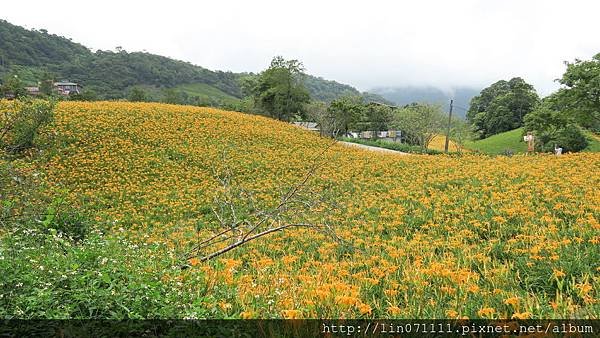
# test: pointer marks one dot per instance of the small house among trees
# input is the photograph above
(67, 88)
(33, 91)
(312, 126)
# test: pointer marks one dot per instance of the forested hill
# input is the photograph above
(109, 74)
(36, 54)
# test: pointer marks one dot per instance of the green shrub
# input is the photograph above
(55, 265)
(44, 275)
(20, 122)
(553, 127)
(70, 224)
(571, 138)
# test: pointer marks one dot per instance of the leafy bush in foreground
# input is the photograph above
(50, 276)
(554, 128)
(20, 122)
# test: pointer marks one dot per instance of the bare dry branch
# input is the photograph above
(248, 239)
(300, 202)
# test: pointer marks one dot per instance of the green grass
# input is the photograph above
(594, 143)
(206, 91)
(513, 140)
(499, 143)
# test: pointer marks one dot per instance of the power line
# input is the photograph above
(459, 107)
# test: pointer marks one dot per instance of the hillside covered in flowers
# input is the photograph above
(415, 236)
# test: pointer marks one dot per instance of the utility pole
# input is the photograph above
(449, 124)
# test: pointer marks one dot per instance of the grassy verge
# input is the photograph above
(594, 143)
(500, 143)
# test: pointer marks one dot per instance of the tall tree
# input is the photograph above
(279, 91)
(171, 96)
(420, 123)
(552, 126)
(502, 106)
(328, 125)
(581, 95)
(378, 116)
(137, 94)
(349, 112)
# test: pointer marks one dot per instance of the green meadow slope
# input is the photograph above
(513, 140)
(499, 143)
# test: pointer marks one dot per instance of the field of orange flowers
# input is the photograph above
(430, 236)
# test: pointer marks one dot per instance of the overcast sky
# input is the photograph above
(362, 43)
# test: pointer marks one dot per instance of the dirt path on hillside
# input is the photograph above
(371, 148)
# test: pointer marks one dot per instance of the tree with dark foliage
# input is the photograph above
(279, 91)
(501, 107)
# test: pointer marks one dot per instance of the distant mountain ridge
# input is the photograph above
(35, 53)
(405, 95)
